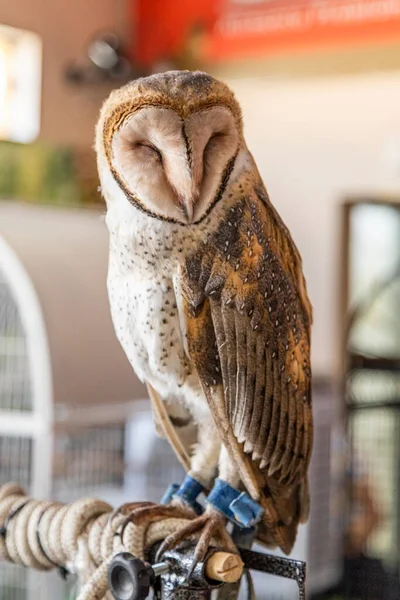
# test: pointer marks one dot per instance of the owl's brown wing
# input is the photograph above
(248, 329)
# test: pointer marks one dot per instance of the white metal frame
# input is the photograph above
(38, 424)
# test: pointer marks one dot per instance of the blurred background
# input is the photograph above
(319, 84)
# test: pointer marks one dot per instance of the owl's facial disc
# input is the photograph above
(175, 167)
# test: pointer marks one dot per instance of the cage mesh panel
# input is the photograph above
(15, 385)
(88, 458)
(152, 464)
(162, 469)
(327, 476)
(15, 460)
(319, 550)
(376, 459)
(369, 387)
(13, 582)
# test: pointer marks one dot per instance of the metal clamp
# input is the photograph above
(131, 578)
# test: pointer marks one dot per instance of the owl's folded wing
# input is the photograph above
(248, 320)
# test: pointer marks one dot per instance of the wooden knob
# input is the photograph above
(224, 566)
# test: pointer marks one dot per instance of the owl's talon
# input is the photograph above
(146, 513)
(211, 528)
(126, 508)
(211, 524)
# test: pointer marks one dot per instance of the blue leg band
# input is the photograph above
(169, 493)
(187, 492)
(237, 506)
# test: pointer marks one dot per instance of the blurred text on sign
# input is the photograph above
(218, 30)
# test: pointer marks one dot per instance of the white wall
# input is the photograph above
(316, 141)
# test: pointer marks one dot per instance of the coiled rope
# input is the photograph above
(76, 538)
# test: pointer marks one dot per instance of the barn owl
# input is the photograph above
(209, 303)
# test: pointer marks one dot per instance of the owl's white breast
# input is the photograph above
(146, 321)
(143, 288)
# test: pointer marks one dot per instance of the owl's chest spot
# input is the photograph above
(146, 321)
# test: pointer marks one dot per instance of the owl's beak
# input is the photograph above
(186, 204)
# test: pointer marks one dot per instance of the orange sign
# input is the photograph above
(251, 27)
(228, 29)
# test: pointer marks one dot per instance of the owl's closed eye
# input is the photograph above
(172, 164)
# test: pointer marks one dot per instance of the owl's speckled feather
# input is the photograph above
(249, 322)
(214, 314)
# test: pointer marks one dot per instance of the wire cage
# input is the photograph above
(372, 386)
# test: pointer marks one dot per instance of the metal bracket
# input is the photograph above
(275, 565)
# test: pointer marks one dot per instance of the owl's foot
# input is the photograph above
(146, 513)
(212, 528)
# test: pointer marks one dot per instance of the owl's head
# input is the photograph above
(168, 143)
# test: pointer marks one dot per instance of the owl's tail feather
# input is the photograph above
(290, 510)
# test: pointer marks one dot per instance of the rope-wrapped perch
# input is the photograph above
(79, 538)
